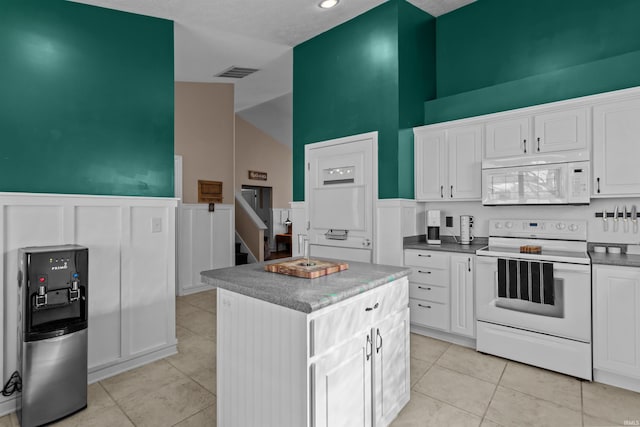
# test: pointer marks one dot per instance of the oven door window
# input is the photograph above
(529, 287)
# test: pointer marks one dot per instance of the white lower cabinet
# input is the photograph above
(462, 315)
(441, 291)
(344, 365)
(342, 385)
(363, 381)
(616, 320)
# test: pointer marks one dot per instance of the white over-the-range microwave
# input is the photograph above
(544, 184)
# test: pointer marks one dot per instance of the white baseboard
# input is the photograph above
(8, 405)
(444, 336)
(195, 289)
(616, 380)
(103, 372)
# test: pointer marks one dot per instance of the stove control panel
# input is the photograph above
(542, 229)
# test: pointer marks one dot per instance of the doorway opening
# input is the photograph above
(260, 200)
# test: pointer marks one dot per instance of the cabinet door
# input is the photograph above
(616, 129)
(462, 313)
(560, 131)
(391, 367)
(616, 320)
(430, 167)
(507, 138)
(465, 156)
(341, 384)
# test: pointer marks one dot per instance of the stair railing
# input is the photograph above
(250, 227)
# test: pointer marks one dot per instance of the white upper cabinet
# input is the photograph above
(552, 132)
(429, 169)
(507, 138)
(447, 163)
(560, 131)
(465, 160)
(616, 149)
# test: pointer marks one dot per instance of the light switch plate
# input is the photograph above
(156, 225)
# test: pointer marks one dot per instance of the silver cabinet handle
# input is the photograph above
(424, 306)
(525, 145)
(378, 347)
(369, 347)
(598, 181)
(452, 191)
(425, 255)
(422, 287)
(538, 144)
(442, 191)
(469, 263)
(424, 272)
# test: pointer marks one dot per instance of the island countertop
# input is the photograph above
(305, 295)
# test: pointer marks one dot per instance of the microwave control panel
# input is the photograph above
(579, 182)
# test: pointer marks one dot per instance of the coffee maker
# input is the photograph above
(433, 227)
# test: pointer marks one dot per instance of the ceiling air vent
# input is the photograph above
(237, 72)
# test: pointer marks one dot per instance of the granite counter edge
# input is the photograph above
(297, 305)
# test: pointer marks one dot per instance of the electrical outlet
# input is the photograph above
(449, 221)
(156, 225)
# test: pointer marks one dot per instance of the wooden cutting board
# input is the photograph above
(297, 268)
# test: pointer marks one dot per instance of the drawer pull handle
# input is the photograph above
(424, 272)
(422, 287)
(424, 306)
(425, 255)
(372, 308)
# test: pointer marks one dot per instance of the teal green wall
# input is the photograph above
(351, 80)
(496, 55)
(417, 70)
(87, 100)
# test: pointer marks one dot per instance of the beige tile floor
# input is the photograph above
(450, 386)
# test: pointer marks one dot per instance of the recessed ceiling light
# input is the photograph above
(328, 4)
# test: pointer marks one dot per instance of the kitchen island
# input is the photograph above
(329, 351)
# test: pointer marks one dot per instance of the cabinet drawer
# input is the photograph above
(429, 314)
(429, 276)
(341, 323)
(429, 292)
(417, 258)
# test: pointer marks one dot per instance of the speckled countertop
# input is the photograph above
(623, 259)
(305, 295)
(448, 244)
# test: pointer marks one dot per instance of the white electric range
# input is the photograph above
(535, 308)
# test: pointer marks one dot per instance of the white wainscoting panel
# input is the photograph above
(206, 242)
(104, 279)
(261, 363)
(131, 273)
(395, 219)
(298, 216)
